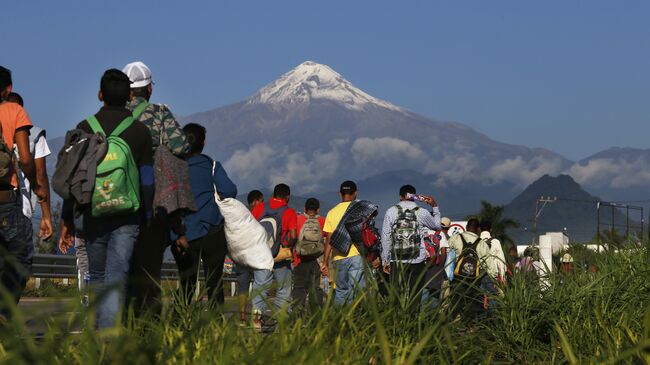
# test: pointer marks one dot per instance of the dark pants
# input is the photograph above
(467, 298)
(16, 251)
(146, 264)
(306, 286)
(211, 249)
(410, 280)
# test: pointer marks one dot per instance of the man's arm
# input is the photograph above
(145, 166)
(434, 222)
(386, 243)
(21, 139)
(46, 218)
(327, 255)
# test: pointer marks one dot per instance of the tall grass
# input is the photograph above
(585, 318)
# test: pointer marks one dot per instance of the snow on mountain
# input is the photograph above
(310, 81)
(311, 128)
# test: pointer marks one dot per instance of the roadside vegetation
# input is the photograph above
(589, 317)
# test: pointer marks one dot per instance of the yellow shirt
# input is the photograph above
(331, 222)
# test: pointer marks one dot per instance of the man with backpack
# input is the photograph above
(470, 268)
(16, 246)
(494, 262)
(144, 278)
(122, 197)
(281, 223)
(348, 266)
(403, 246)
(203, 238)
(310, 246)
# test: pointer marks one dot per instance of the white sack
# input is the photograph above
(247, 241)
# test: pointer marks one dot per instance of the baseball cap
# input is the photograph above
(567, 258)
(348, 187)
(445, 222)
(139, 74)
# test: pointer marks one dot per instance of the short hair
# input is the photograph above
(15, 98)
(141, 92)
(486, 225)
(5, 78)
(407, 189)
(348, 187)
(254, 195)
(281, 191)
(473, 224)
(312, 205)
(195, 134)
(115, 87)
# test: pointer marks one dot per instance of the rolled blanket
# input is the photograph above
(351, 226)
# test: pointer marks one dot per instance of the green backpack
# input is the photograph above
(117, 183)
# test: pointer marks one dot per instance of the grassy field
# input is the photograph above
(598, 318)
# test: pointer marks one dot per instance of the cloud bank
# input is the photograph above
(263, 165)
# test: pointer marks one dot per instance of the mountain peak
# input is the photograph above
(314, 81)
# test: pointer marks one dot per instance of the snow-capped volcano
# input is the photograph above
(311, 81)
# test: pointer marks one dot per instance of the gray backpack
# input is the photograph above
(310, 240)
(405, 235)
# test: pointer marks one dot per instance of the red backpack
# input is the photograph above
(432, 246)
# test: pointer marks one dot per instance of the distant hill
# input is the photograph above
(574, 210)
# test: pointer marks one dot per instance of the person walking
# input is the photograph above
(285, 220)
(403, 248)
(348, 267)
(164, 130)
(111, 223)
(307, 293)
(15, 229)
(203, 238)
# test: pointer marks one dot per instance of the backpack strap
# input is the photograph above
(139, 109)
(95, 126)
(489, 242)
(400, 210)
(126, 123)
(462, 238)
(476, 242)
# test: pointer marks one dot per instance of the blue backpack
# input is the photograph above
(271, 220)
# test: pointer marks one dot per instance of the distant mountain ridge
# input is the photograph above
(574, 211)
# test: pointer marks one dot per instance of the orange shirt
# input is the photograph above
(12, 116)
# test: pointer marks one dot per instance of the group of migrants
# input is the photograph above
(134, 182)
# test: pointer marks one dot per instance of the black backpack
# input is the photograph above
(468, 265)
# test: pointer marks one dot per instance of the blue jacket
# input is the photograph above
(203, 182)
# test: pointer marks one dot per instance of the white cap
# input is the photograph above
(139, 74)
(567, 258)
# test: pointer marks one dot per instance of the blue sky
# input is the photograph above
(570, 76)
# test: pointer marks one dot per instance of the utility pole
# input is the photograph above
(538, 212)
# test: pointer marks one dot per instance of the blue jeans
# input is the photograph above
(109, 246)
(430, 298)
(262, 280)
(349, 278)
(16, 251)
(490, 290)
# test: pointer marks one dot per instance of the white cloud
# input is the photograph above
(616, 174)
(523, 172)
(263, 165)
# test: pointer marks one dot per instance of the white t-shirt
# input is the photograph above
(38, 149)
